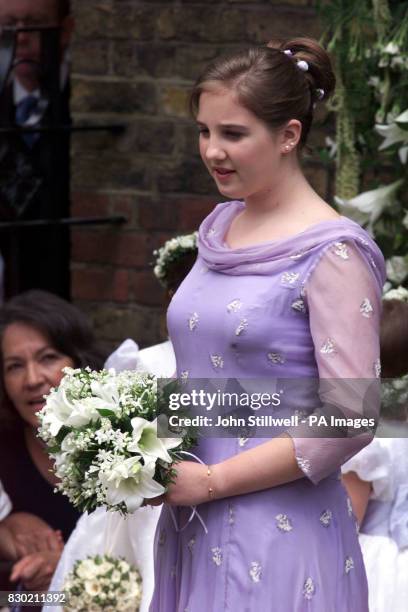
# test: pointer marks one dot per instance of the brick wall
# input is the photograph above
(133, 63)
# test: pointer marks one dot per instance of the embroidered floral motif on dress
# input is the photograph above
(308, 588)
(162, 538)
(349, 507)
(211, 232)
(366, 308)
(326, 518)
(341, 250)
(276, 358)
(289, 278)
(234, 306)
(242, 441)
(217, 555)
(193, 321)
(241, 327)
(283, 522)
(328, 347)
(377, 368)
(217, 361)
(231, 515)
(255, 571)
(348, 564)
(299, 305)
(304, 464)
(190, 544)
(184, 375)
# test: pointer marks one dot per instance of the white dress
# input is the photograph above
(384, 531)
(5, 504)
(106, 532)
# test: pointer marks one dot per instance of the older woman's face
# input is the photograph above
(31, 366)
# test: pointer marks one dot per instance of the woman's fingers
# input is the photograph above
(35, 568)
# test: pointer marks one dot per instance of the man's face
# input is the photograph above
(20, 13)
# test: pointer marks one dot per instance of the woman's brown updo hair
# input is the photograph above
(269, 83)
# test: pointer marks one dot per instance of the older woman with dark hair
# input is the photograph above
(40, 335)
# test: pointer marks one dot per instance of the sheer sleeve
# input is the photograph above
(344, 303)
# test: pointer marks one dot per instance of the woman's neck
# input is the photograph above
(291, 196)
(38, 454)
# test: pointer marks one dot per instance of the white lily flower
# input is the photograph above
(397, 268)
(403, 154)
(393, 133)
(84, 411)
(131, 482)
(331, 146)
(368, 206)
(391, 48)
(147, 443)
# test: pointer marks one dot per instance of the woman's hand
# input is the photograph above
(36, 570)
(190, 488)
(38, 541)
(31, 534)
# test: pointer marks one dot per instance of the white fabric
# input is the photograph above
(384, 463)
(107, 532)
(374, 464)
(5, 504)
(346, 340)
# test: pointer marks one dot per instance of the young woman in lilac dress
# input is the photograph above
(283, 287)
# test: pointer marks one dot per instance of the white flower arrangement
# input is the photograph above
(395, 131)
(171, 251)
(103, 583)
(367, 207)
(400, 293)
(101, 428)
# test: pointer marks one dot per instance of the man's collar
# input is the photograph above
(20, 92)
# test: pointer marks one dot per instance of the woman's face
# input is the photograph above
(240, 151)
(31, 366)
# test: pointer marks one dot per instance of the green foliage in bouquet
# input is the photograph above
(368, 41)
(101, 428)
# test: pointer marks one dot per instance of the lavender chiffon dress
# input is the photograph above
(304, 306)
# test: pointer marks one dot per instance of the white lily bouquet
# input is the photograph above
(101, 428)
(103, 583)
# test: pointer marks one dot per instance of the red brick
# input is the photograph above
(124, 205)
(91, 283)
(158, 213)
(193, 210)
(145, 288)
(94, 246)
(121, 286)
(89, 204)
(133, 249)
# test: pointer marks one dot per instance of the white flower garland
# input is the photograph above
(397, 294)
(170, 252)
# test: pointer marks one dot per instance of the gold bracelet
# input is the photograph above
(210, 489)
